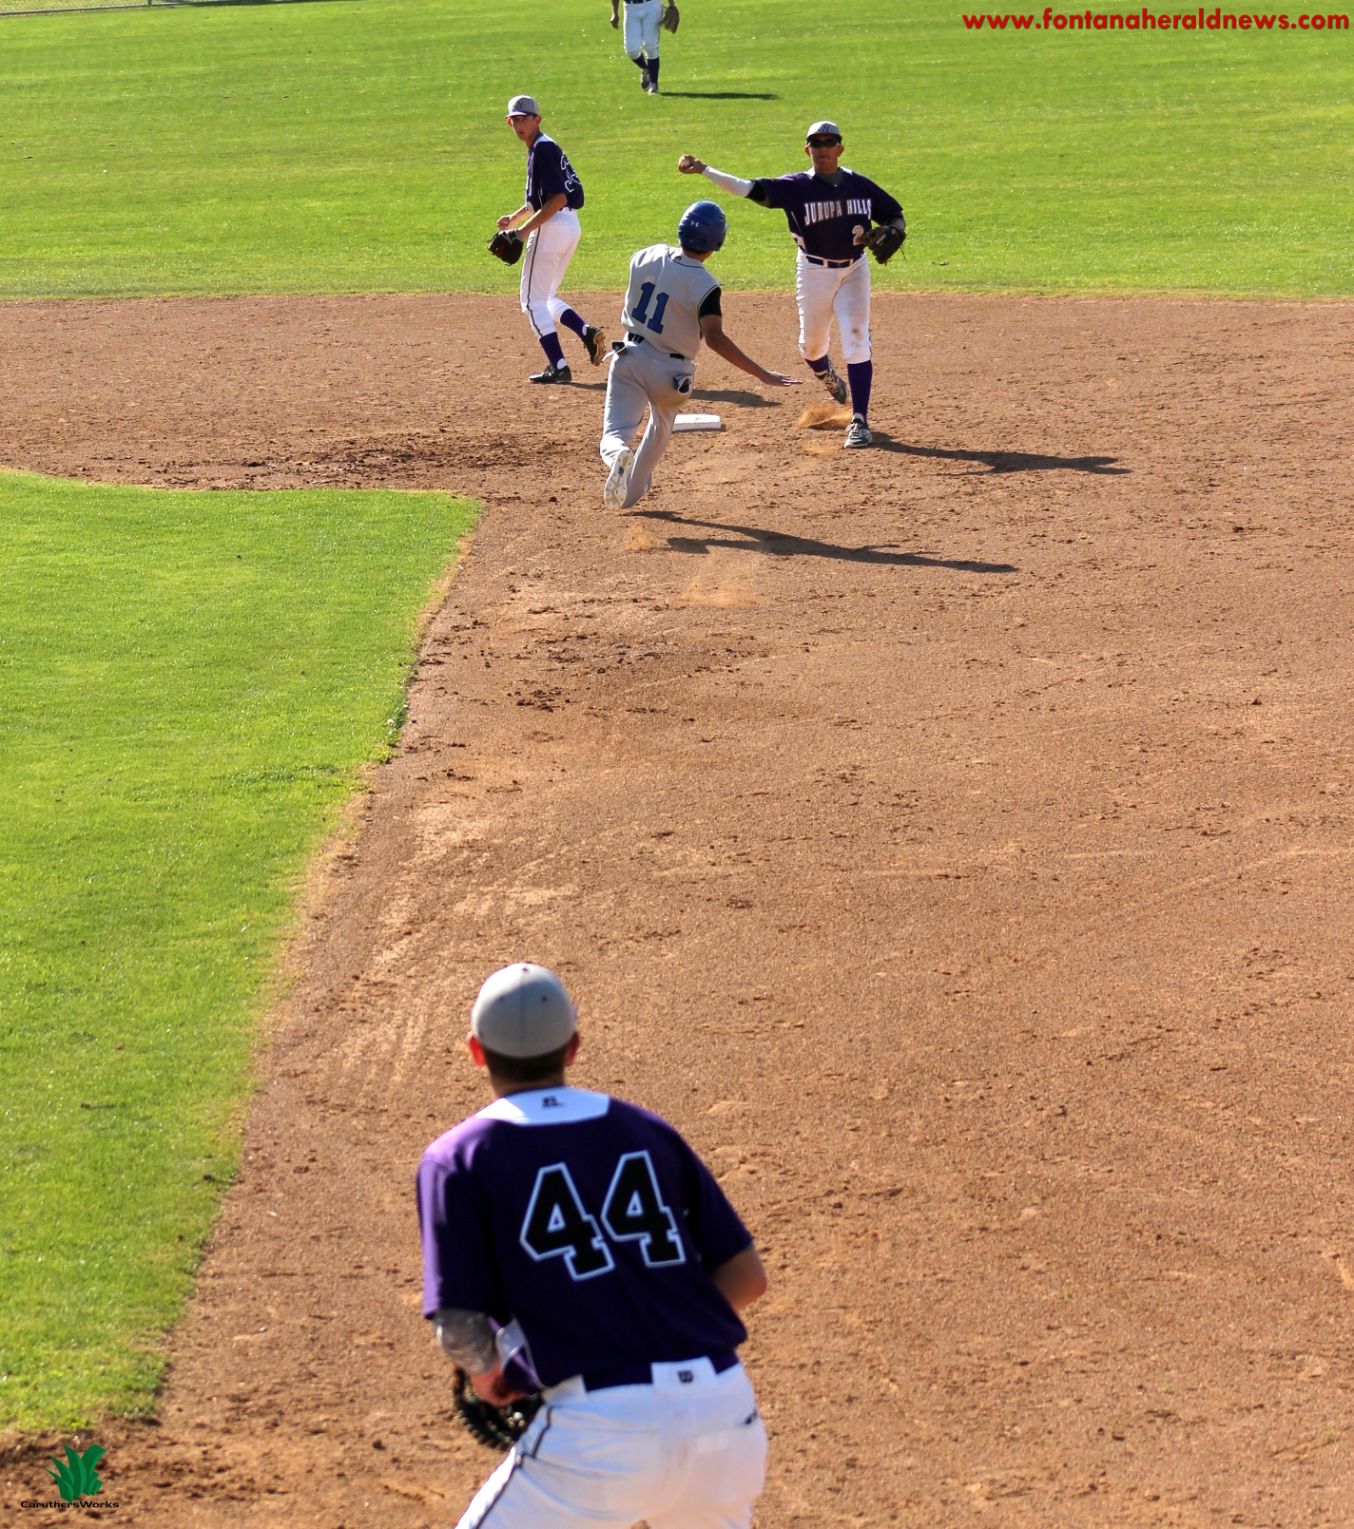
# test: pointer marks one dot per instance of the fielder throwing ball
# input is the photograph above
(671, 304)
(576, 1245)
(830, 212)
(549, 218)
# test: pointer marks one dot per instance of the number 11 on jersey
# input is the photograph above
(641, 313)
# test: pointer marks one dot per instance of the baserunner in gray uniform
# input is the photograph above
(671, 305)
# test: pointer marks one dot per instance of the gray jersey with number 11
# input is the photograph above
(667, 295)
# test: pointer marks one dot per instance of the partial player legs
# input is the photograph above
(724, 1486)
(725, 1471)
(825, 294)
(679, 1456)
(624, 408)
(548, 253)
(815, 288)
(851, 305)
(851, 308)
(640, 35)
(592, 336)
(641, 377)
(657, 434)
(828, 375)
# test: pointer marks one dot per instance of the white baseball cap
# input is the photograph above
(823, 130)
(523, 1011)
(523, 106)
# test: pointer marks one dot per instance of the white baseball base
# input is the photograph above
(697, 422)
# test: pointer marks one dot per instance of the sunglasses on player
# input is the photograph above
(824, 143)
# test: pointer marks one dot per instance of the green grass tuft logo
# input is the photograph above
(77, 1476)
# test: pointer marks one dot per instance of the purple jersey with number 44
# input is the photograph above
(824, 217)
(589, 1222)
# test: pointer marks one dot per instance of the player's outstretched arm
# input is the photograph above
(735, 185)
(712, 332)
(742, 1280)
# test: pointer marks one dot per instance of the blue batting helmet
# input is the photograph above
(702, 228)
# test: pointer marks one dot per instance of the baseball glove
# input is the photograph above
(507, 245)
(885, 241)
(671, 17)
(497, 1427)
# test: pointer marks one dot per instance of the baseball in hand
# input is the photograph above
(688, 164)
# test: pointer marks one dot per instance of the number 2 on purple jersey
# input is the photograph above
(641, 314)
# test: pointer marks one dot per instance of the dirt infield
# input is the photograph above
(953, 838)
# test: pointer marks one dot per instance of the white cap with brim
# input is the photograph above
(523, 1011)
(523, 106)
(823, 130)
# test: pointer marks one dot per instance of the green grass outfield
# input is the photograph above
(190, 686)
(359, 145)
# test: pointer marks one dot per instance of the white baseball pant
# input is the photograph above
(546, 258)
(640, 28)
(824, 292)
(643, 376)
(687, 1452)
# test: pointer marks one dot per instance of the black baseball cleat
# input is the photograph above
(595, 341)
(831, 380)
(553, 374)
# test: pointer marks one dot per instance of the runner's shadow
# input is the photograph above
(781, 544)
(722, 95)
(1008, 461)
(734, 395)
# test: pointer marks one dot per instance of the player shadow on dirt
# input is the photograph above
(782, 544)
(734, 395)
(1007, 461)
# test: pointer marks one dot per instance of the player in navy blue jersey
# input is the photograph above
(549, 218)
(829, 211)
(576, 1245)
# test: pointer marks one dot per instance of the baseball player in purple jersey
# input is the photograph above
(549, 219)
(576, 1245)
(829, 212)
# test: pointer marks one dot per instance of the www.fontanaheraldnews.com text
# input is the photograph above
(1144, 20)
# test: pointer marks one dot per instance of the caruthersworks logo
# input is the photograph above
(77, 1479)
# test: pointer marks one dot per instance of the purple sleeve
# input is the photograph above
(779, 192)
(715, 1227)
(549, 168)
(458, 1267)
(883, 208)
